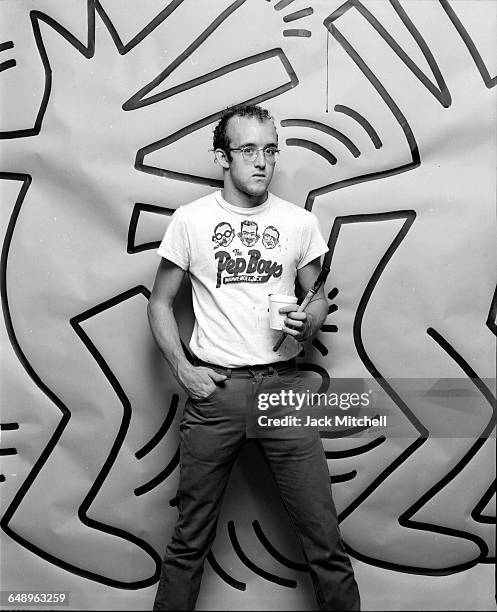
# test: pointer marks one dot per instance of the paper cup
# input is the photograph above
(275, 303)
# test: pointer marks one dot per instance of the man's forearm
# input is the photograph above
(317, 311)
(165, 331)
(198, 382)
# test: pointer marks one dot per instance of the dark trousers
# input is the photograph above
(212, 433)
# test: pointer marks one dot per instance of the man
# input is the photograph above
(234, 361)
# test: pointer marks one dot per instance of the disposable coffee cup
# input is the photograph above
(276, 301)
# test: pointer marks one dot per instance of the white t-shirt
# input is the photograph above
(236, 257)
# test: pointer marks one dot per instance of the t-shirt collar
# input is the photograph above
(241, 210)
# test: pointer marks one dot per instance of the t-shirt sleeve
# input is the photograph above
(313, 244)
(175, 245)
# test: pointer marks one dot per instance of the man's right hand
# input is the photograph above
(199, 382)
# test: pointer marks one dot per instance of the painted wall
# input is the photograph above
(386, 118)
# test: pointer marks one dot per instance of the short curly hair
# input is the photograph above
(220, 139)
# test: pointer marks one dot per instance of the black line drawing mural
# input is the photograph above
(88, 317)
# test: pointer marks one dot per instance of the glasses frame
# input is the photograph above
(255, 154)
(225, 234)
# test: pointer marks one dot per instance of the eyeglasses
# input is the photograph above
(250, 153)
(226, 234)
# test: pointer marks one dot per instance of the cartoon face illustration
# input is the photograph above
(248, 234)
(223, 234)
(270, 237)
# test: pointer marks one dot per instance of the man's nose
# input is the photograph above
(260, 159)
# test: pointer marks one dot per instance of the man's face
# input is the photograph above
(251, 177)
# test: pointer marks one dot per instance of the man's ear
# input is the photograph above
(222, 158)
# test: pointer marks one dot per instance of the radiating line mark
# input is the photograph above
(314, 147)
(333, 293)
(223, 574)
(8, 426)
(358, 450)
(343, 477)
(279, 6)
(163, 429)
(263, 539)
(299, 33)
(320, 346)
(2, 478)
(7, 45)
(252, 566)
(298, 14)
(322, 127)
(329, 328)
(353, 114)
(332, 308)
(8, 64)
(157, 480)
(8, 451)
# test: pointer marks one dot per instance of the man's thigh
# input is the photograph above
(212, 429)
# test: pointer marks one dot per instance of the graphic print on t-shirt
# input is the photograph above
(248, 233)
(252, 268)
(223, 234)
(270, 237)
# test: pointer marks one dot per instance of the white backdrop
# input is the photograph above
(386, 119)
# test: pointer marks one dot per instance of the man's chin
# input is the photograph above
(257, 190)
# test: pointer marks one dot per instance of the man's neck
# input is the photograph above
(243, 200)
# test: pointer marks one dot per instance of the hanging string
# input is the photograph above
(327, 66)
